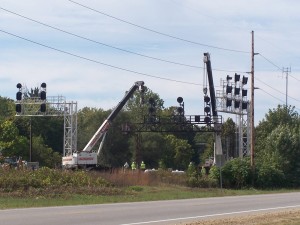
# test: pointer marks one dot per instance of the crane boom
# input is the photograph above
(106, 124)
(87, 157)
(217, 125)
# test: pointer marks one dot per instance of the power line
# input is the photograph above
(294, 77)
(110, 46)
(270, 62)
(272, 95)
(157, 32)
(276, 89)
(275, 97)
(98, 62)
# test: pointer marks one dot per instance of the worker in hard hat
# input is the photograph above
(133, 166)
(143, 166)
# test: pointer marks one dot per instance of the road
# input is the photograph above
(153, 213)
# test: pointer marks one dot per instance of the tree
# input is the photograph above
(7, 108)
(89, 120)
(11, 143)
(278, 146)
(177, 152)
(229, 137)
(44, 154)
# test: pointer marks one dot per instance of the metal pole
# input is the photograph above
(30, 141)
(252, 103)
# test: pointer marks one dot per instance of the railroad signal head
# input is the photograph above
(179, 100)
(228, 89)
(18, 108)
(236, 77)
(244, 80)
(19, 85)
(43, 107)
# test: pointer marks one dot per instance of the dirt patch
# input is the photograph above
(286, 217)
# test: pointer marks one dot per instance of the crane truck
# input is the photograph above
(87, 158)
(215, 118)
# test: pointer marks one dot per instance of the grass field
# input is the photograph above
(45, 187)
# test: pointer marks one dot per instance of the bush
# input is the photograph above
(45, 178)
(267, 176)
(237, 173)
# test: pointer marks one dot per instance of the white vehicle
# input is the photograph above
(87, 157)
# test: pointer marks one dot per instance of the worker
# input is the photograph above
(143, 166)
(125, 167)
(133, 166)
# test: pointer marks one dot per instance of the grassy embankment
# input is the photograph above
(45, 187)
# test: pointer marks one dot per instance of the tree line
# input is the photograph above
(277, 142)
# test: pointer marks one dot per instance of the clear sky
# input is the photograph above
(92, 51)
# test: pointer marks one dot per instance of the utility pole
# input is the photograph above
(286, 71)
(30, 141)
(252, 103)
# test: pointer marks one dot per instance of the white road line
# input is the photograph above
(211, 215)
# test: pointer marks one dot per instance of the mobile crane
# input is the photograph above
(215, 118)
(87, 158)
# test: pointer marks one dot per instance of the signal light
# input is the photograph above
(43, 107)
(179, 100)
(236, 77)
(197, 118)
(244, 80)
(207, 119)
(228, 78)
(207, 109)
(18, 108)
(228, 102)
(43, 95)
(228, 89)
(180, 110)
(19, 95)
(237, 91)
(206, 99)
(43, 85)
(236, 104)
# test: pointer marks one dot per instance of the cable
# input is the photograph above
(98, 62)
(157, 32)
(270, 62)
(272, 96)
(276, 89)
(294, 77)
(110, 46)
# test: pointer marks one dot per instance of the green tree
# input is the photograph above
(237, 173)
(278, 147)
(177, 152)
(44, 154)
(151, 149)
(7, 109)
(229, 137)
(89, 121)
(11, 143)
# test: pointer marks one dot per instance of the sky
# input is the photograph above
(92, 51)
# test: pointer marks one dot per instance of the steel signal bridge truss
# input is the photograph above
(233, 99)
(175, 123)
(27, 106)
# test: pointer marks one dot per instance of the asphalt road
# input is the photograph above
(156, 212)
